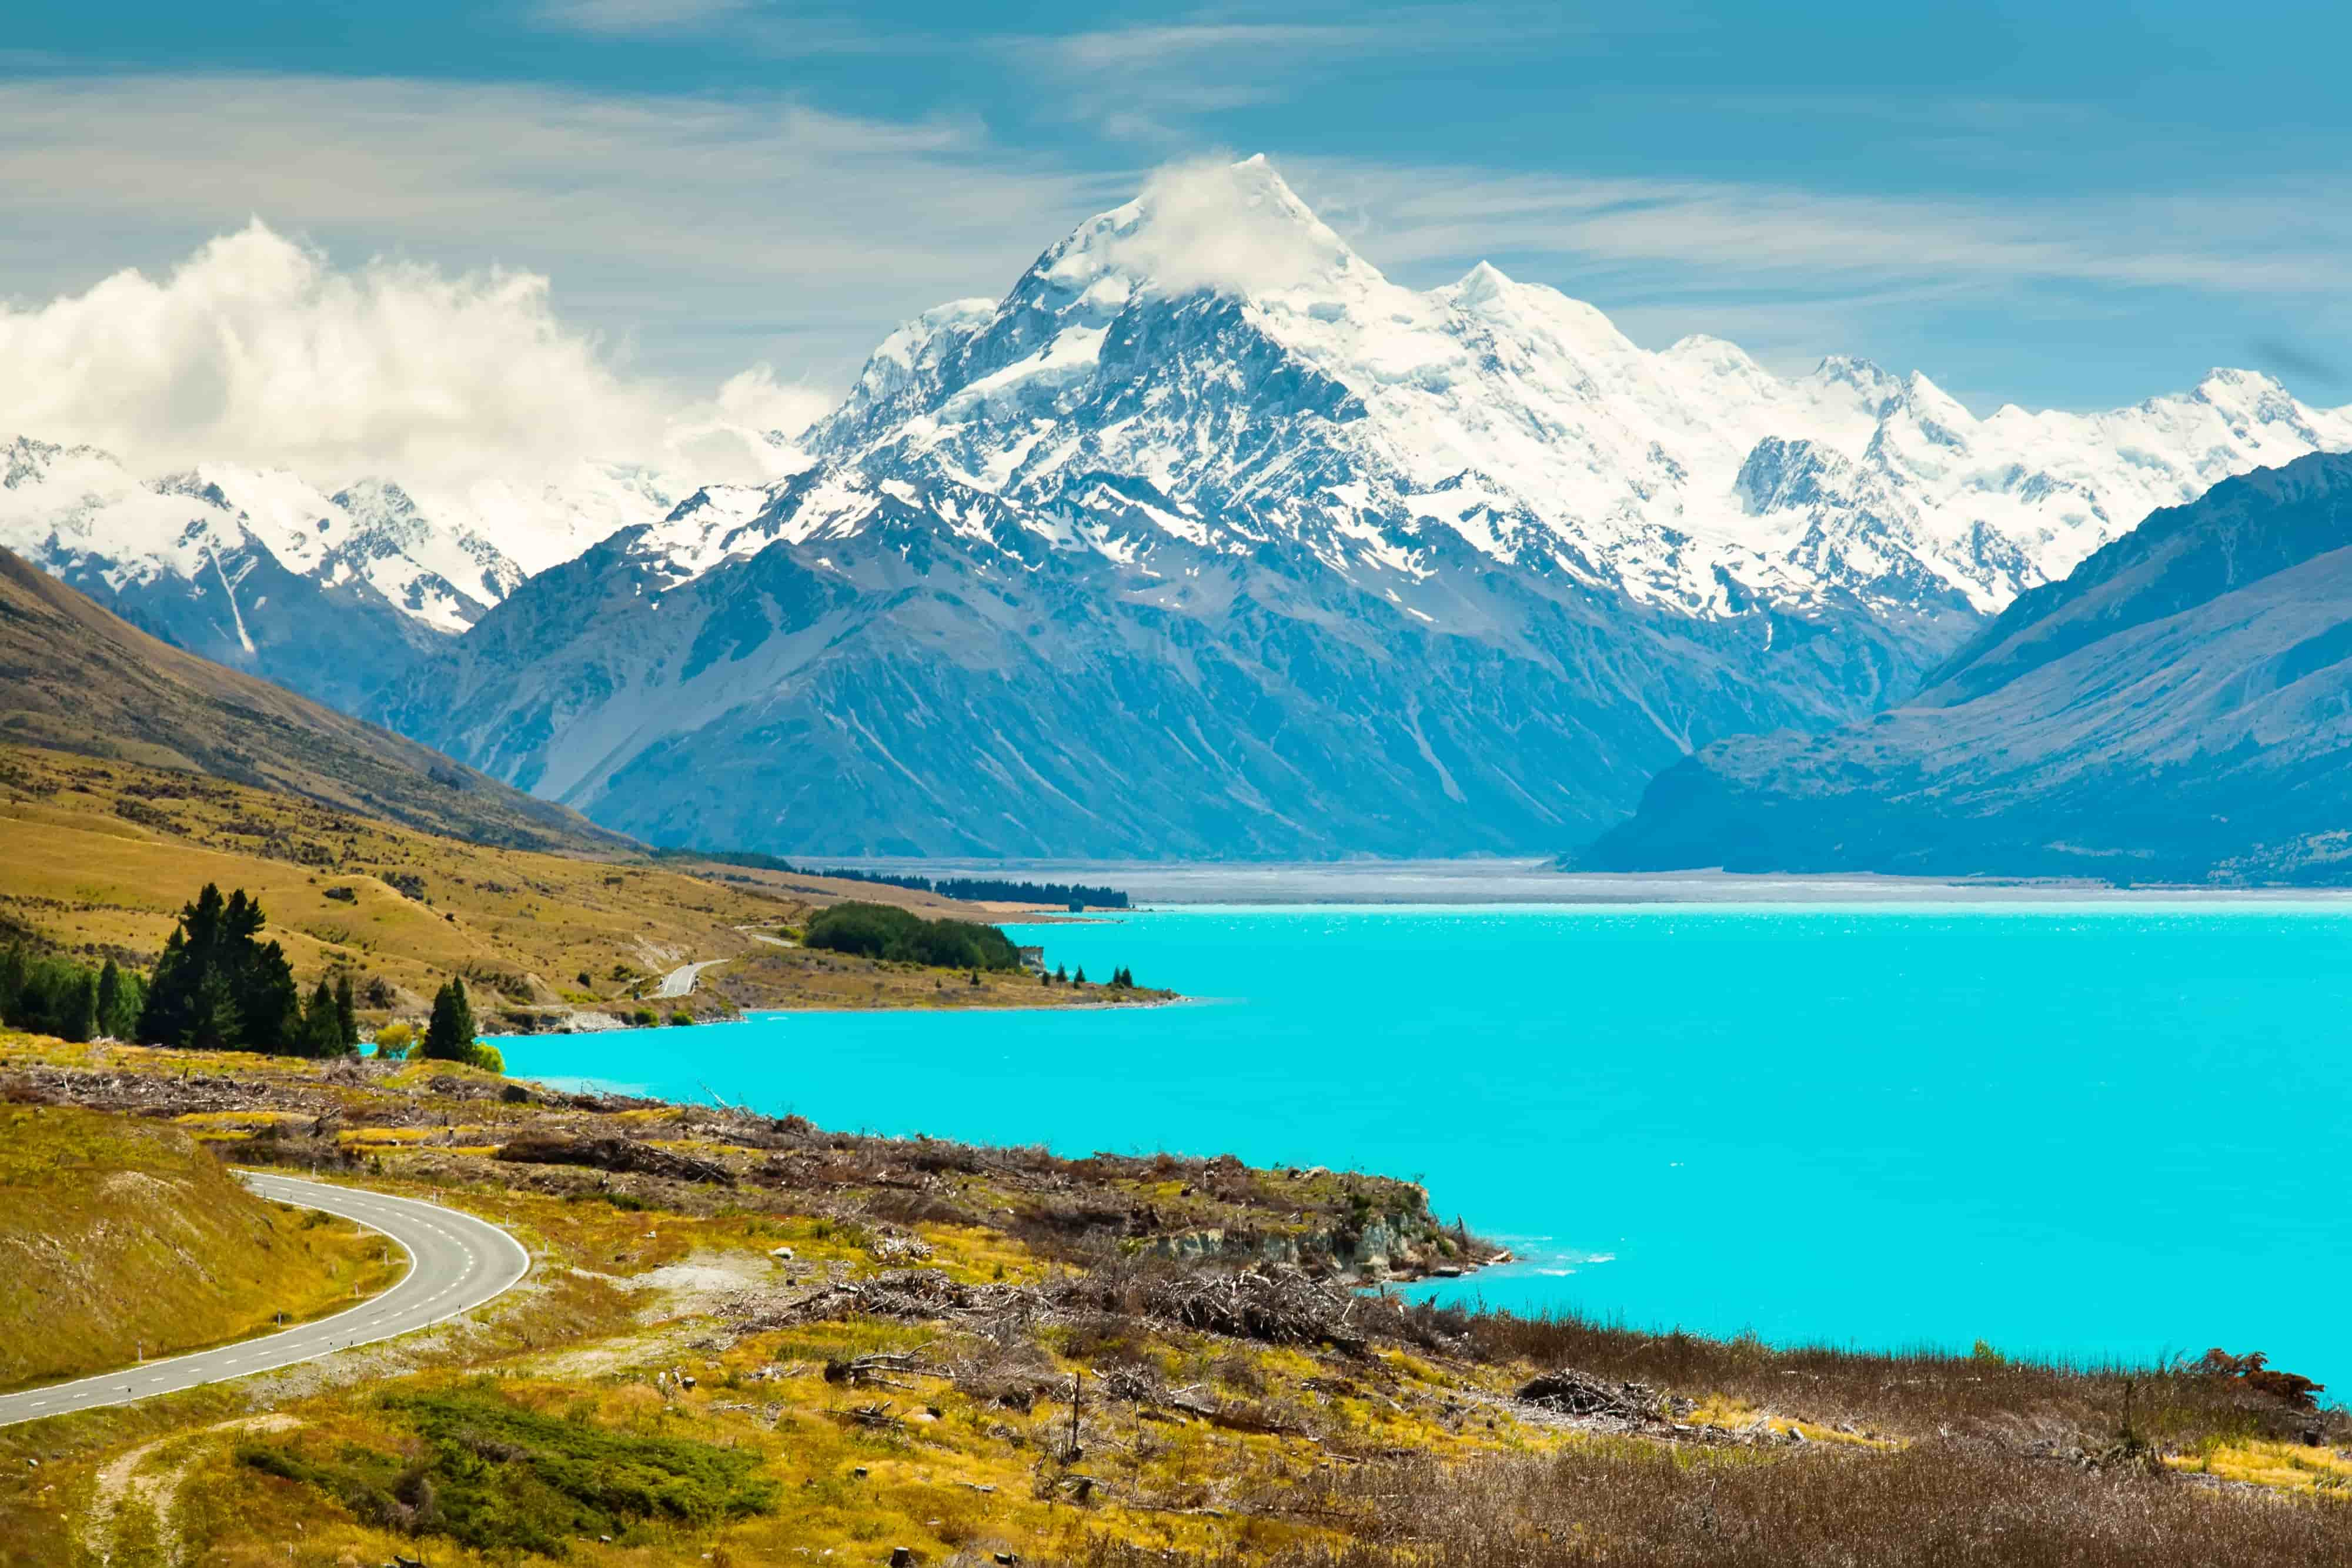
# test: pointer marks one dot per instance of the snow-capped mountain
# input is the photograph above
(1206, 539)
(329, 593)
(1120, 398)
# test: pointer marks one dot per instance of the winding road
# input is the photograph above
(679, 982)
(457, 1262)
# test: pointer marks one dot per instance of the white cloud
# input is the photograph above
(256, 349)
(2246, 241)
(1214, 224)
(635, 19)
(705, 232)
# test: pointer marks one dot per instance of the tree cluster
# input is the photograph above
(219, 987)
(883, 931)
(73, 1001)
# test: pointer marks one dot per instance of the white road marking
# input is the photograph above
(477, 1241)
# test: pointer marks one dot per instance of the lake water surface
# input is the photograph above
(2096, 1130)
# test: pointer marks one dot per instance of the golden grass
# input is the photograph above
(120, 1238)
(1309, 1456)
(2283, 1466)
(522, 925)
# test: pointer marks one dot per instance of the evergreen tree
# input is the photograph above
(77, 1016)
(1062, 973)
(1080, 979)
(267, 1002)
(12, 987)
(191, 954)
(347, 1014)
(321, 1033)
(212, 1021)
(109, 999)
(170, 996)
(450, 1035)
(218, 986)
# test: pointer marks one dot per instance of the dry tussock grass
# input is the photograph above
(1940, 1504)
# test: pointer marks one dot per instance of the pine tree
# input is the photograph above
(347, 1014)
(1062, 973)
(1081, 978)
(12, 987)
(164, 1017)
(78, 1016)
(450, 1035)
(110, 998)
(218, 986)
(212, 1021)
(321, 1032)
(269, 1001)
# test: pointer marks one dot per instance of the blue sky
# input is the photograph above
(2076, 205)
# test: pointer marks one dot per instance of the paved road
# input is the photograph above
(679, 982)
(456, 1263)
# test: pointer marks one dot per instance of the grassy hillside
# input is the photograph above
(101, 855)
(118, 1236)
(749, 1339)
(75, 677)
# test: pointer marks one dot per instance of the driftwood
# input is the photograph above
(1275, 1307)
(626, 1155)
(875, 1416)
(877, 1370)
(1575, 1393)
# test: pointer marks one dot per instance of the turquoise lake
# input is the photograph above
(2110, 1131)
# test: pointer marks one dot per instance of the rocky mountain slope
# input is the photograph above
(2178, 708)
(1194, 548)
(1204, 539)
(75, 677)
(333, 595)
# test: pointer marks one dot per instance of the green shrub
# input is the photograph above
(495, 1476)
(896, 935)
(644, 1018)
(680, 1019)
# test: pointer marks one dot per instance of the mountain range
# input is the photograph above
(2179, 709)
(1204, 539)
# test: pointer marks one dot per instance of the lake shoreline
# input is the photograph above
(1534, 881)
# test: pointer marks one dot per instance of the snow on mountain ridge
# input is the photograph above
(442, 558)
(1216, 341)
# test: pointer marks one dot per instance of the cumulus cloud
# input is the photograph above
(1216, 224)
(257, 349)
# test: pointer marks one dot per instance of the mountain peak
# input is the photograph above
(1229, 228)
(1481, 283)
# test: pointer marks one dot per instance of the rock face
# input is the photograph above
(2178, 708)
(1267, 556)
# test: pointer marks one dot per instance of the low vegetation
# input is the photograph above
(488, 1473)
(746, 1338)
(104, 856)
(899, 936)
(122, 1238)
